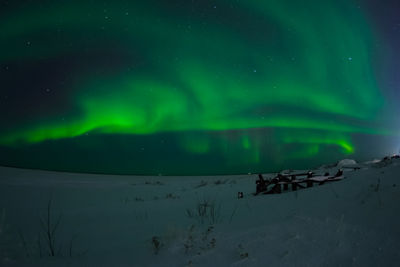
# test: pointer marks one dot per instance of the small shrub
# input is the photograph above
(243, 254)
(198, 242)
(189, 213)
(49, 229)
(47, 241)
(206, 211)
(156, 244)
(213, 242)
(209, 244)
(219, 182)
(202, 183)
(189, 242)
(171, 196)
(153, 183)
(377, 185)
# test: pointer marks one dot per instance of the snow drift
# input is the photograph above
(101, 220)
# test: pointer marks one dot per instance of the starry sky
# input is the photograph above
(194, 87)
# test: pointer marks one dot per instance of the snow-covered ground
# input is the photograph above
(199, 221)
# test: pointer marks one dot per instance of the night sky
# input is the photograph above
(197, 87)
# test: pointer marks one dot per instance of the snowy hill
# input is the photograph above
(102, 220)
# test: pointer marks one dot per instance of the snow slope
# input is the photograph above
(154, 221)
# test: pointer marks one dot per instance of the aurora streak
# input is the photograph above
(255, 85)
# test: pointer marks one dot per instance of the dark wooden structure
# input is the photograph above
(282, 182)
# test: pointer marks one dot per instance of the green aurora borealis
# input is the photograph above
(189, 87)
